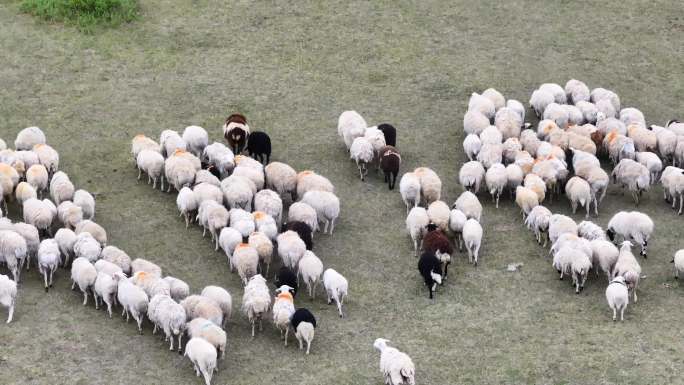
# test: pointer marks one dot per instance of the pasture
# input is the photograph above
(292, 69)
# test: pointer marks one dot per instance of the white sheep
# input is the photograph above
(617, 295)
(628, 267)
(168, 315)
(556, 90)
(266, 224)
(223, 298)
(482, 104)
(631, 115)
(496, 97)
(256, 300)
(61, 188)
(255, 175)
(558, 114)
(8, 295)
(179, 171)
(490, 154)
(29, 137)
(472, 238)
(539, 100)
(509, 122)
(470, 176)
(578, 191)
(310, 181)
(39, 213)
(631, 226)
(589, 230)
(283, 308)
(496, 179)
(69, 214)
(291, 248)
(199, 306)
(141, 142)
(652, 162)
(31, 235)
(589, 111)
(438, 213)
(457, 220)
(66, 239)
(396, 367)
(303, 212)
(336, 288)
(580, 266)
(151, 163)
(221, 157)
(416, 222)
(238, 192)
(107, 267)
(207, 330)
(151, 284)
(170, 141)
(560, 224)
(187, 204)
(13, 251)
(409, 187)
(604, 254)
(468, 203)
(526, 199)
(516, 106)
(577, 91)
(430, 184)
(87, 247)
(228, 240)
(327, 207)
(678, 261)
(196, 139)
(140, 264)
(178, 288)
(471, 146)
(120, 258)
(246, 260)
(83, 274)
(202, 354)
(242, 221)
(205, 176)
(514, 177)
(310, 268)
(264, 247)
(474, 122)
(350, 125)
(511, 147)
(538, 221)
(270, 203)
(491, 135)
(212, 216)
(48, 260)
(206, 191)
(104, 288)
(361, 152)
(37, 176)
(281, 178)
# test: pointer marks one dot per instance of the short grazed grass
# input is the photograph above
(84, 14)
(292, 68)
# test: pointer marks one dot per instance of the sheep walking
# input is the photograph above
(132, 298)
(256, 300)
(362, 153)
(628, 267)
(430, 268)
(167, 314)
(83, 274)
(8, 295)
(310, 269)
(48, 260)
(304, 324)
(617, 296)
(202, 354)
(632, 226)
(336, 287)
(396, 366)
(283, 309)
(416, 223)
(409, 187)
(472, 237)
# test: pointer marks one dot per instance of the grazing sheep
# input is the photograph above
(350, 125)
(104, 288)
(290, 248)
(151, 284)
(141, 142)
(66, 239)
(222, 298)
(199, 306)
(140, 264)
(119, 257)
(472, 238)
(196, 139)
(283, 309)
(482, 104)
(310, 269)
(511, 147)
(8, 295)
(87, 247)
(578, 191)
(631, 226)
(31, 235)
(430, 268)
(430, 184)
(246, 260)
(281, 178)
(48, 260)
(83, 274)
(336, 287)
(468, 203)
(628, 267)
(29, 137)
(208, 331)
(538, 221)
(471, 175)
(604, 254)
(576, 91)
(302, 212)
(589, 230)
(264, 247)
(617, 295)
(397, 367)
(678, 261)
(390, 161)
(438, 214)
(457, 220)
(416, 223)
(259, 146)
(168, 315)
(187, 204)
(61, 188)
(98, 232)
(178, 288)
(474, 122)
(526, 199)
(409, 187)
(37, 176)
(310, 181)
(304, 324)
(256, 300)
(202, 354)
(496, 180)
(327, 207)
(560, 224)
(212, 216)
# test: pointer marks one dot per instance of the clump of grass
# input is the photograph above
(84, 14)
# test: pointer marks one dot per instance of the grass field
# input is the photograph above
(291, 68)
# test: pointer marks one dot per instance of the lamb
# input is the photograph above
(617, 295)
(430, 184)
(327, 207)
(283, 309)
(151, 163)
(246, 259)
(526, 199)
(259, 146)
(678, 261)
(281, 178)
(140, 264)
(390, 161)
(84, 274)
(539, 100)
(203, 357)
(336, 287)
(457, 220)
(310, 181)
(496, 179)
(628, 267)
(31, 235)
(104, 288)
(228, 240)
(578, 191)
(632, 226)
(236, 132)
(416, 223)
(212, 216)
(472, 237)
(409, 187)
(390, 134)
(13, 251)
(187, 204)
(652, 162)
(61, 188)
(264, 247)
(120, 258)
(8, 295)
(37, 176)
(474, 122)
(471, 175)
(468, 203)
(438, 213)
(290, 248)
(604, 255)
(350, 125)
(199, 306)
(65, 240)
(471, 146)
(29, 137)
(179, 171)
(377, 140)
(482, 104)
(559, 225)
(98, 232)
(223, 298)
(39, 213)
(538, 221)
(430, 268)
(310, 269)
(238, 191)
(304, 324)
(151, 284)
(178, 288)
(141, 142)
(48, 260)
(577, 91)
(256, 300)
(397, 367)
(562, 260)
(208, 331)
(69, 214)
(168, 315)
(196, 139)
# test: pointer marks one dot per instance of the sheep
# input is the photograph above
(631, 115)
(536, 184)
(243, 221)
(222, 297)
(538, 221)
(556, 90)
(87, 247)
(491, 135)
(61, 188)
(290, 248)
(48, 260)
(186, 201)
(430, 184)
(474, 122)
(219, 158)
(635, 176)
(539, 100)
(208, 331)
(496, 179)
(617, 295)
(679, 152)
(562, 260)
(598, 94)
(120, 258)
(236, 131)
(310, 181)
(590, 231)
(39, 213)
(84, 274)
(140, 264)
(256, 176)
(304, 324)
(560, 224)
(471, 146)
(578, 191)
(170, 141)
(206, 191)
(437, 242)
(29, 137)
(327, 207)
(203, 357)
(350, 125)
(644, 139)
(98, 232)
(24, 192)
(438, 213)
(468, 203)
(667, 142)
(678, 261)
(259, 146)
(672, 179)
(207, 176)
(526, 199)
(264, 247)
(212, 216)
(377, 140)
(490, 154)
(482, 104)
(310, 268)
(199, 306)
(457, 220)
(151, 163)
(269, 202)
(588, 110)
(104, 288)
(8, 295)
(390, 162)
(472, 238)
(37, 176)
(246, 259)
(86, 202)
(66, 239)
(151, 284)
(287, 276)
(179, 171)
(281, 178)
(69, 214)
(336, 287)
(576, 91)
(168, 315)
(604, 255)
(107, 267)
(511, 147)
(508, 122)
(516, 106)
(573, 241)
(471, 175)
(31, 235)
(229, 238)
(628, 267)
(390, 134)
(496, 97)
(652, 162)
(283, 309)
(632, 226)
(178, 288)
(196, 139)
(8, 180)
(416, 222)
(256, 300)
(141, 142)
(13, 251)
(580, 266)
(514, 177)
(430, 268)
(558, 114)
(409, 187)
(397, 367)
(675, 126)
(238, 191)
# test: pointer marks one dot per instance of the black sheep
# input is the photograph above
(236, 130)
(259, 145)
(431, 269)
(287, 277)
(390, 134)
(301, 228)
(300, 318)
(390, 160)
(437, 242)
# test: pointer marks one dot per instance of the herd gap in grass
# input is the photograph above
(85, 15)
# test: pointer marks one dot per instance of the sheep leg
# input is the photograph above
(45, 276)
(261, 326)
(252, 329)
(339, 306)
(139, 173)
(139, 320)
(622, 313)
(681, 203)
(325, 229)
(614, 314)
(109, 309)
(180, 339)
(287, 331)
(85, 297)
(154, 330)
(149, 179)
(332, 225)
(308, 346)
(11, 313)
(97, 304)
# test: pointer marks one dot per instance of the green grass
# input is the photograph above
(84, 14)
(292, 70)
